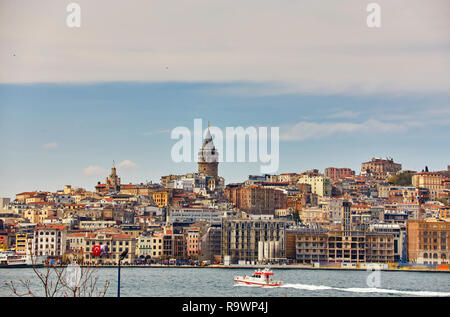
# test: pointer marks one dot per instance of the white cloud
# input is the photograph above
(94, 170)
(343, 115)
(385, 122)
(52, 145)
(301, 46)
(315, 130)
(127, 165)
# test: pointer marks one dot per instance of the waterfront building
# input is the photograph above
(156, 245)
(174, 246)
(311, 245)
(144, 247)
(428, 241)
(113, 245)
(4, 241)
(192, 242)
(149, 246)
(315, 244)
(49, 240)
(241, 237)
(398, 234)
(380, 247)
(346, 246)
(211, 242)
(76, 240)
(24, 242)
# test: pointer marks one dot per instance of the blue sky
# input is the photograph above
(72, 100)
(50, 133)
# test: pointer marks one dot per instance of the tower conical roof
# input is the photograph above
(208, 151)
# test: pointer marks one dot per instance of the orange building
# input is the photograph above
(162, 197)
(257, 199)
(428, 241)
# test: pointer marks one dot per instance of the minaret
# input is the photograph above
(208, 157)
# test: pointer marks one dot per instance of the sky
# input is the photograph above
(73, 100)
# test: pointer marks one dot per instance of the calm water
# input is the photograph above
(207, 282)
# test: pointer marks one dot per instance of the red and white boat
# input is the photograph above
(259, 278)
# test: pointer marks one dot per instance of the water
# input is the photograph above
(213, 282)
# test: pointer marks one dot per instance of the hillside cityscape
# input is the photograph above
(382, 214)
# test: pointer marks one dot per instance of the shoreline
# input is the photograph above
(274, 267)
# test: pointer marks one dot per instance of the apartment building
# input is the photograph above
(256, 199)
(241, 237)
(380, 247)
(336, 174)
(24, 243)
(192, 241)
(311, 245)
(38, 215)
(320, 184)
(149, 246)
(49, 240)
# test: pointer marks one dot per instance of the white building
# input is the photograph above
(49, 240)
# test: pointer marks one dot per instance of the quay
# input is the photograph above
(443, 269)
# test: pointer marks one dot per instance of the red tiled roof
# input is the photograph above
(27, 193)
(51, 227)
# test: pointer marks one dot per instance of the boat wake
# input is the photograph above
(366, 290)
(237, 284)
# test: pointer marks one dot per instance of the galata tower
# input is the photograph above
(208, 157)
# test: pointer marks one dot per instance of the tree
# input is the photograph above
(56, 281)
(401, 179)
